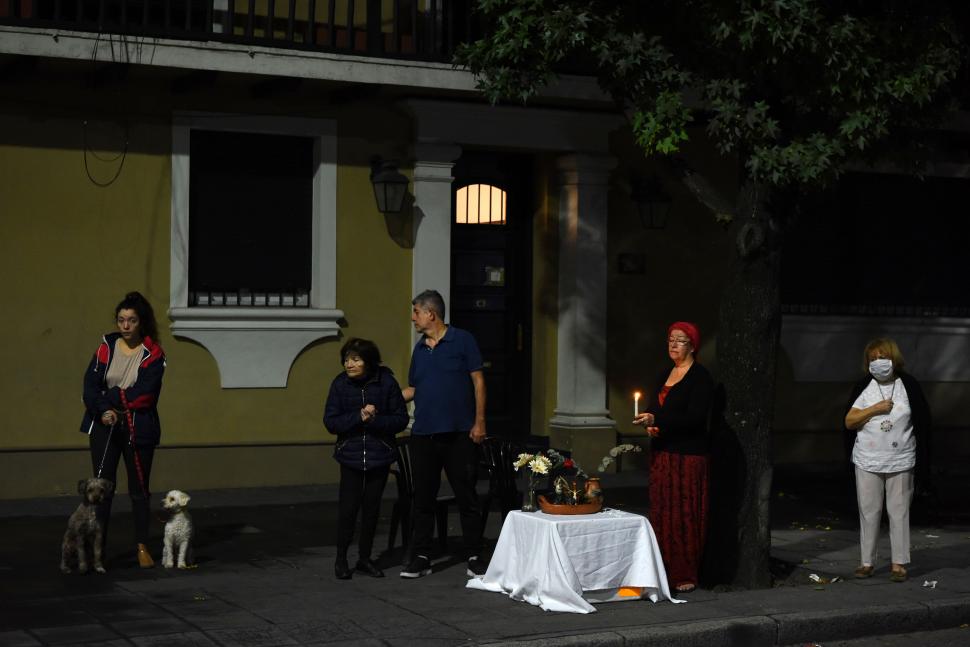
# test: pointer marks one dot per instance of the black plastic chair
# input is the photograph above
(498, 456)
(401, 514)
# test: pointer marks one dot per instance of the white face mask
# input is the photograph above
(881, 369)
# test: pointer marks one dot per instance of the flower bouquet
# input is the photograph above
(572, 491)
(539, 465)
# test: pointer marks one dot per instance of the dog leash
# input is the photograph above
(134, 448)
(105, 454)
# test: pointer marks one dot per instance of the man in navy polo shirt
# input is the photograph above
(448, 388)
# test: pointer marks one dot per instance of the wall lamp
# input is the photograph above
(390, 186)
(652, 203)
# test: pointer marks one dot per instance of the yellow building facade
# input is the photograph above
(95, 157)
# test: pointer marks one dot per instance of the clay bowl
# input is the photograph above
(582, 508)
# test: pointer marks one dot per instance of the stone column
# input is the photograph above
(431, 256)
(581, 421)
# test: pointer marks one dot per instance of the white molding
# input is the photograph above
(431, 257)
(579, 420)
(255, 347)
(272, 61)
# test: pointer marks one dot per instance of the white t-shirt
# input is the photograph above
(885, 444)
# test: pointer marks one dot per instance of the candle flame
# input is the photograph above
(636, 395)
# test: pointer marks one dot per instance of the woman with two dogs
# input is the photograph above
(121, 388)
(364, 410)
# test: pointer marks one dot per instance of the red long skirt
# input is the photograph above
(678, 512)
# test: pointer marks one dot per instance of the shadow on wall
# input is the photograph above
(728, 474)
(402, 225)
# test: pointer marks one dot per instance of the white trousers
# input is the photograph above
(871, 487)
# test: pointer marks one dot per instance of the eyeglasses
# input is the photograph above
(679, 342)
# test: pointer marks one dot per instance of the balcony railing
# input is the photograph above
(410, 29)
(876, 310)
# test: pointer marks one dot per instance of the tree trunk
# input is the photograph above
(747, 346)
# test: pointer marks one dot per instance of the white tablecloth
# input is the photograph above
(564, 562)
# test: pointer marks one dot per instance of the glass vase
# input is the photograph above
(529, 498)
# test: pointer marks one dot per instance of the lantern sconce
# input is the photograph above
(652, 203)
(390, 185)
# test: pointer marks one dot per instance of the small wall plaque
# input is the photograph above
(494, 275)
(631, 264)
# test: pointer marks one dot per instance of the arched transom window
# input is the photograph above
(480, 204)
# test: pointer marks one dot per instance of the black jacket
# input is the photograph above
(921, 418)
(365, 445)
(683, 419)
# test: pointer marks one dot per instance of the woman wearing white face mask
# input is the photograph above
(891, 421)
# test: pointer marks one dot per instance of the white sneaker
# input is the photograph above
(419, 566)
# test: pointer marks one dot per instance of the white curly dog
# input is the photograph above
(178, 531)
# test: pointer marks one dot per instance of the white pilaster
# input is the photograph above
(431, 257)
(581, 394)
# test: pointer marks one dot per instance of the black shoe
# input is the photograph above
(476, 567)
(419, 566)
(341, 570)
(368, 567)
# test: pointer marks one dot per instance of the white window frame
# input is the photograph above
(255, 347)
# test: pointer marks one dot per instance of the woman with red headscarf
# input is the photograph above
(677, 420)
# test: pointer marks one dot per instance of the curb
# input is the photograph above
(727, 632)
(846, 624)
(783, 629)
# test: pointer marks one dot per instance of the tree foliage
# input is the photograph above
(793, 88)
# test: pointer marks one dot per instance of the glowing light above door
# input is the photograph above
(480, 204)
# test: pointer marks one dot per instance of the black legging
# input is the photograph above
(359, 489)
(117, 448)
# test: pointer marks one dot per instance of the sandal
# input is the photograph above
(685, 587)
(864, 571)
(898, 575)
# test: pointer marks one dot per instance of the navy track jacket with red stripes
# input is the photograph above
(141, 397)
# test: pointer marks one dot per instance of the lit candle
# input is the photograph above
(636, 404)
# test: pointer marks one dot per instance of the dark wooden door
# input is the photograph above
(491, 286)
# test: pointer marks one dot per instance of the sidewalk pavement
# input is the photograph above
(265, 578)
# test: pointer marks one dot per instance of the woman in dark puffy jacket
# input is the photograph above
(365, 410)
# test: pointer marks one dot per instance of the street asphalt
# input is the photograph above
(265, 578)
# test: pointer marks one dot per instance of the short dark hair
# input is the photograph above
(146, 316)
(365, 349)
(431, 300)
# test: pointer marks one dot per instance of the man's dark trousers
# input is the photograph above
(458, 455)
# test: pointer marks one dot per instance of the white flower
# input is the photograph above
(616, 451)
(540, 465)
(522, 460)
